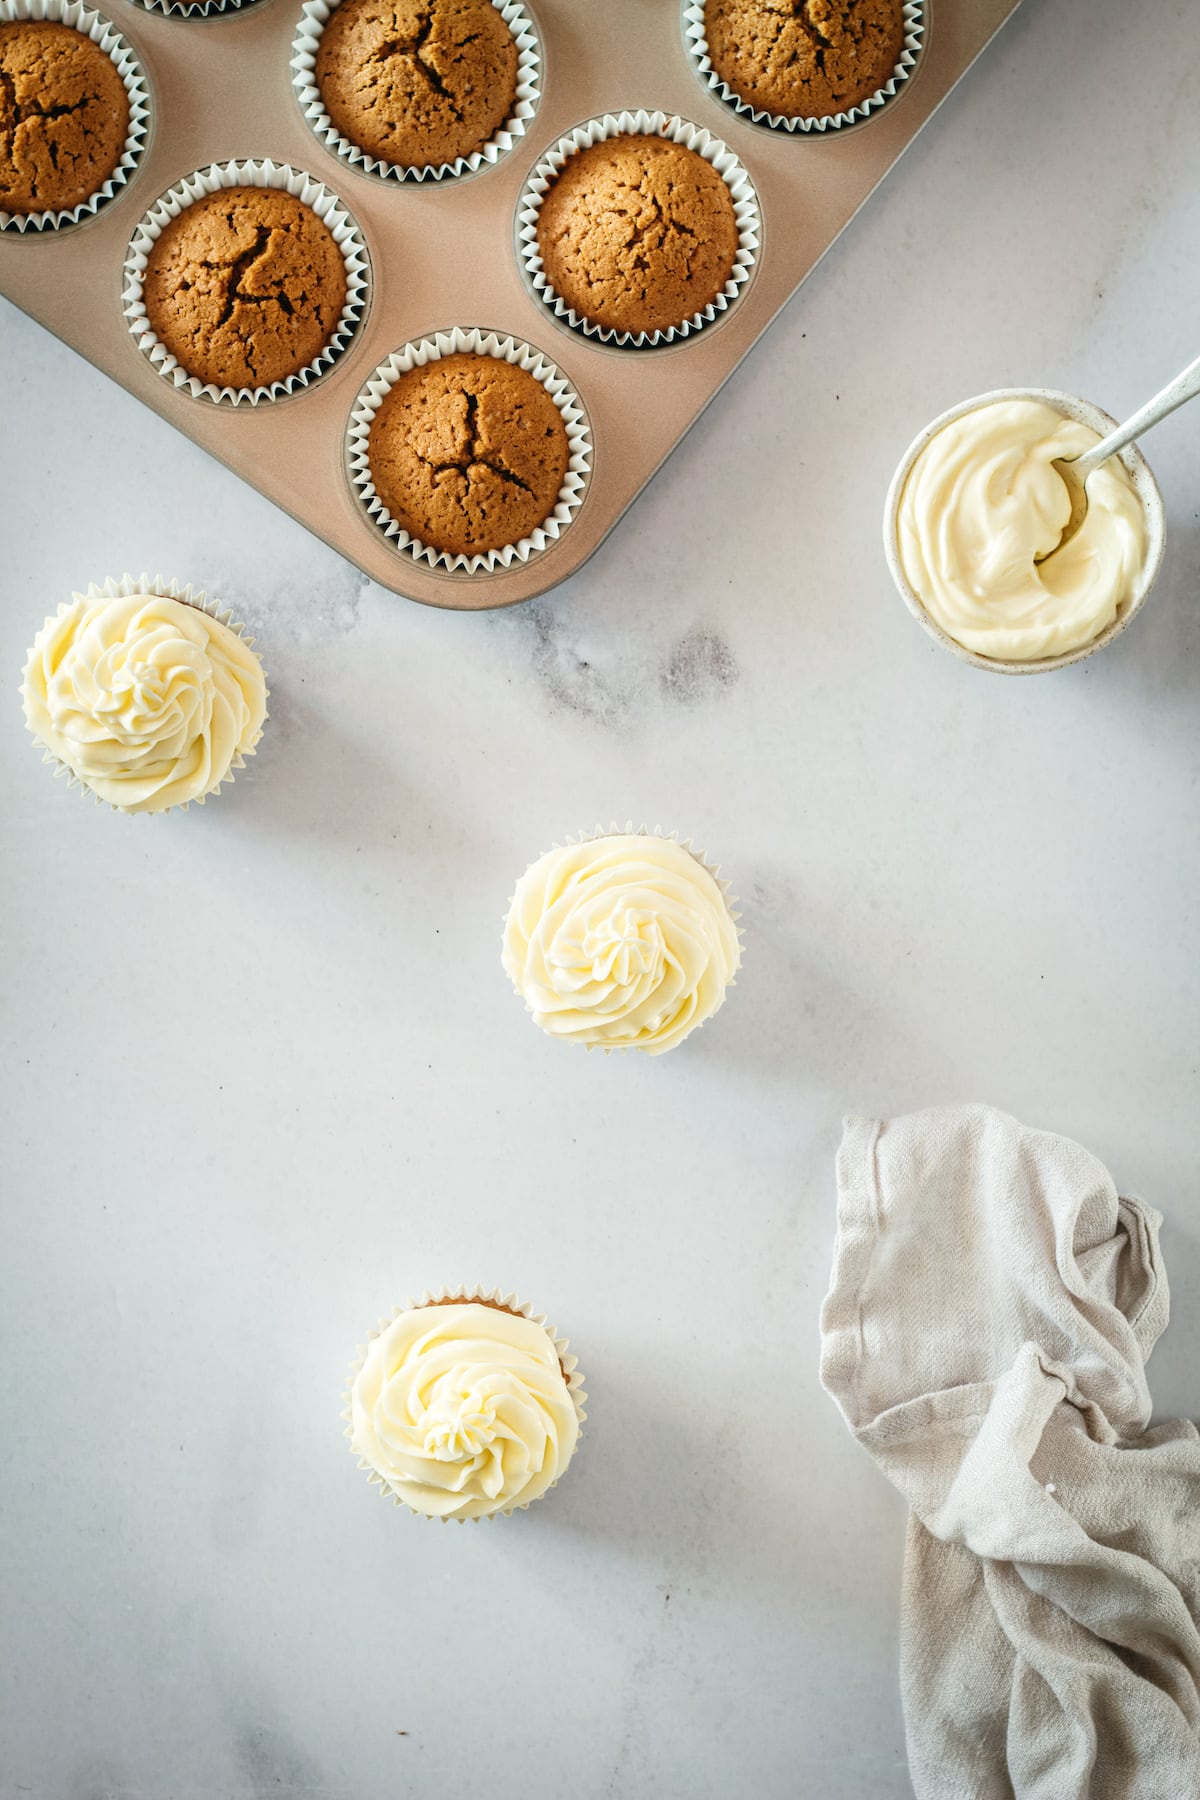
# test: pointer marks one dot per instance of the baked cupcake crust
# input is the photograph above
(417, 82)
(64, 116)
(804, 59)
(638, 233)
(468, 453)
(245, 287)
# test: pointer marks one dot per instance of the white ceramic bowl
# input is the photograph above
(1139, 473)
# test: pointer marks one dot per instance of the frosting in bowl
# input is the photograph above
(463, 1410)
(149, 701)
(980, 505)
(624, 941)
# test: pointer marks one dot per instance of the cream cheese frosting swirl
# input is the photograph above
(982, 502)
(625, 941)
(463, 1410)
(149, 701)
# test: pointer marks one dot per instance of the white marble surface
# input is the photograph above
(265, 1075)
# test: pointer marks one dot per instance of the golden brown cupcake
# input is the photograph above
(638, 233)
(417, 82)
(64, 116)
(468, 453)
(804, 59)
(245, 287)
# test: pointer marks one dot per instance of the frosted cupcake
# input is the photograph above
(465, 1405)
(145, 693)
(626, 941)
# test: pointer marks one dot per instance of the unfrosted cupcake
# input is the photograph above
(804, 62)
(64, 116)
(626, 941)
(145, 693)
(468, 453)
(418, 83)
(638, 233)
(245, 287)
(464, 1405)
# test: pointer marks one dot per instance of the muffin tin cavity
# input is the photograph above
(914, 30)
(472, 455)
(51, 138)
(443, 100)
(253, 281)
(643, 228)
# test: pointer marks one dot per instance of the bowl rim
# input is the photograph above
(1146, 487)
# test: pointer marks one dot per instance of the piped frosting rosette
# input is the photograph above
(144, 693)
(465, 1404)
(695, 36)
(316, 14)
(625, 940)
(104, 34)
(646, 124)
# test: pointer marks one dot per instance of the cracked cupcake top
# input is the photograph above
(638, 233)
(245, 287)
(804, 59)
(64, 116)
(417, 82)
(468, 453)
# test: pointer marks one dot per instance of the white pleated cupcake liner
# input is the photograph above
(640, 124)
(914, 42)
(95, 26)
(465, 1296)
(314, 17)
(161, 587)
(265, 174)
(482, 343)
(629, 829)
(196, 9)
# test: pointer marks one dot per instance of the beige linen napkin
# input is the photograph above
(992, 1306)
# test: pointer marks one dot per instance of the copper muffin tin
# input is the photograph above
(443, 253)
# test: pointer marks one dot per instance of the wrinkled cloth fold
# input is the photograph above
(992, 1306)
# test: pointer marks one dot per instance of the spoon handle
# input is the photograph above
(1184, 387)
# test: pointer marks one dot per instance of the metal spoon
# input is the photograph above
(1075, 470)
